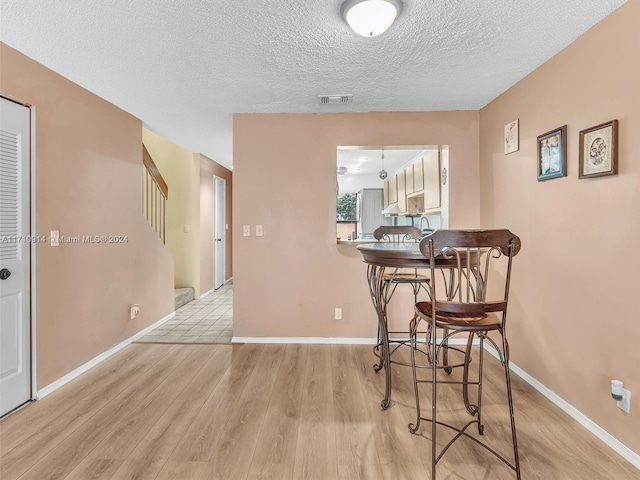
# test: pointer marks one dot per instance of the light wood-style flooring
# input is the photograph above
(280, 412)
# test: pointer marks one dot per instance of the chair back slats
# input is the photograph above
(502, 239)
(399, 234)
(473, 256)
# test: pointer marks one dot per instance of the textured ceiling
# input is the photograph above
(184, 67)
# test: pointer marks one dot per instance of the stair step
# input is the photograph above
(183, 296)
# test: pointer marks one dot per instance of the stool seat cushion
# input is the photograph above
(474, 318)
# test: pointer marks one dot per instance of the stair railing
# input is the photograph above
(155, 194)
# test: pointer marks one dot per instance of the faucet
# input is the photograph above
(427, 219)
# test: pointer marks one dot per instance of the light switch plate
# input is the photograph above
(259, 231)
(246, 230)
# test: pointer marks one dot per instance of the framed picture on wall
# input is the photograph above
(599, 150)
(512, 137)
(552, 154)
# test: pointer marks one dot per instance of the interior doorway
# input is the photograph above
(219, 231)
(15, 255)
(209, 317)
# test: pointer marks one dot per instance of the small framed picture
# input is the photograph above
(599, 150)
(552, 154)
(511, 137)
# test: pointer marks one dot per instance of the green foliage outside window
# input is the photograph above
(346, 207)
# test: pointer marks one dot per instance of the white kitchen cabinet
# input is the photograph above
(408, 179)
(431, 165)
(418, 176)
(393, 189)
(402, 192)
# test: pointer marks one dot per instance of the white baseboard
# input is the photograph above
(452, 341)
(612, 442)
(331, 340)
(213, 289)
(206, 293)
(52, 387)
(307, 340)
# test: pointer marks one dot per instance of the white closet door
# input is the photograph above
(15, 341)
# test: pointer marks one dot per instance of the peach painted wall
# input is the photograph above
(181, 170)
(89, 182)
(288, 282)
(209, 168)
(575, 310)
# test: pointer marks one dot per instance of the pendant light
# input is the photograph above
(383, 173)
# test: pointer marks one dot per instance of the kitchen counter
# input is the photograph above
(355, 243)
(361, 241)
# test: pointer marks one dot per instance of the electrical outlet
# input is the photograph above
(338, 314)
(135, 309)
(625, 403)
(55, 238)
(259, 231)
(187, 229)
(246, 230)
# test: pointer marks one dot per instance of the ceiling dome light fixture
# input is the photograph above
(370, 18)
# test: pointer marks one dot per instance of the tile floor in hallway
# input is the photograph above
(208, 320)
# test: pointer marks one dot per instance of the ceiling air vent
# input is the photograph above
(335, 99)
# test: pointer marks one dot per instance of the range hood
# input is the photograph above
(392, 209)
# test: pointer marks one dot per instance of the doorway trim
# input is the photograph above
(34, 260)
(216, 178)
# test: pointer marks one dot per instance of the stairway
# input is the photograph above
(183, 296)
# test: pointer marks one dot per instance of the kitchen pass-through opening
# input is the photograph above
(390, 185)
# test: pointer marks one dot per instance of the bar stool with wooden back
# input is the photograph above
(463, 302)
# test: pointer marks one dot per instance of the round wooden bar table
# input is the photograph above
(383, 257)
